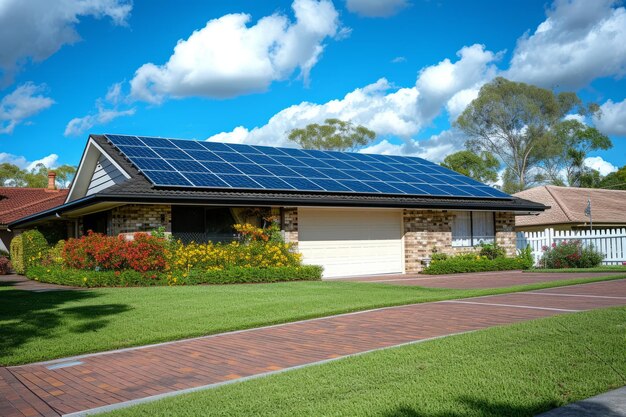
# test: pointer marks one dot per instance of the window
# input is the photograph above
(471, 228)
(202, 224)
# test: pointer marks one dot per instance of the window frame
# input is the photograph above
(472, 238)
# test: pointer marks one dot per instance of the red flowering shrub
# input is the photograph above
(98, 251)
(570, 254)
(146, 253)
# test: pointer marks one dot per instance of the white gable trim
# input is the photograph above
(92, 154)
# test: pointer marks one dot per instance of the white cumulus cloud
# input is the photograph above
(599, 164)
(36, 29)
(24, 102)
(376, 8)
(107, 109)
(613, 118)
(434, 149)
(458, 81)
(382, 107)
(50, 161)
(578, 42)
(228, 57)
(379, 106)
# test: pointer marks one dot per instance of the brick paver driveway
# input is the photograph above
(124, 377)
(499, 279)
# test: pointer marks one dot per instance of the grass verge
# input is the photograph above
(517, 370)
(606, 268)
(36, 326)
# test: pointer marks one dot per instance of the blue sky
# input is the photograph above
(249, 71)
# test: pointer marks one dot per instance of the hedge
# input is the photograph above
(457, 265)
(27, 249)
(131, 278)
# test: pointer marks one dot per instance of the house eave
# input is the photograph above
(273, 200)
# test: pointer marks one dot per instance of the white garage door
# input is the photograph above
(351, 241)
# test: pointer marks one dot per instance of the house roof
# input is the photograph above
(138, 189)
(16, 203)
(192, 164)
(568, 204)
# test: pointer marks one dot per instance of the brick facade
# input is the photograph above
(290, 224)
(140, 218)
(505, 232)
(426, 230)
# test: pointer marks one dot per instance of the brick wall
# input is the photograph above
(140, 218)
(425, 230)
(290, 224)
(505, 232)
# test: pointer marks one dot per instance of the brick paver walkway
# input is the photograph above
(499, 279)
(122, 377)
(22, 283)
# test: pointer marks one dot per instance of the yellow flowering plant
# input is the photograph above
(215, 256)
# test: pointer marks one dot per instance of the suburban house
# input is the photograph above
(352, 213)
(16, 203)
(568, 206)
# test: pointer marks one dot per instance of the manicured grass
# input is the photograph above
(605, 268)
(517, 370)
(41, 326)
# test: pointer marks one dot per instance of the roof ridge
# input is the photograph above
(562, 205)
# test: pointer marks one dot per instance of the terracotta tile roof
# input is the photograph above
(567, 206)
(16, 203)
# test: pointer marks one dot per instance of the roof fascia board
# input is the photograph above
(88, 163)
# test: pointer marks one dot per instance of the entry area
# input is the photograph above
(348, 242)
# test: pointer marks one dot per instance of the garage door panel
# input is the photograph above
(351, 242)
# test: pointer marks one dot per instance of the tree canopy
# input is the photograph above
(334, 134)
(573, 140)
(482, 167)
(614, 180)
(13, 176)
(524, 126)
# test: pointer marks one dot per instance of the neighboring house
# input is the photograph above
(568, 205)
(16, 203)
(352, 213)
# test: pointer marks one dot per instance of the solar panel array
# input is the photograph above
(195, 164)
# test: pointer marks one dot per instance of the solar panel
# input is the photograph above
(183, 163)
(205, 180)
(303, 184)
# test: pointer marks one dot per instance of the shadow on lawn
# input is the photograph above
(27, 315)
(475, 407)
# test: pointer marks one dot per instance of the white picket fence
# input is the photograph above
(610, 242)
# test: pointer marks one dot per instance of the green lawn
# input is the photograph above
(517, 370)
(41, 326)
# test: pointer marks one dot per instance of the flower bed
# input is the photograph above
(97, 260)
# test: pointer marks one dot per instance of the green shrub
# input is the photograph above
(526, 255)
(55, 274)
(17, 254)
(463, 264)
(54, 255)
(5, 253)
(570, 254)
(492, 251)
(27, 250)
(438, 256)
(238, 274)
